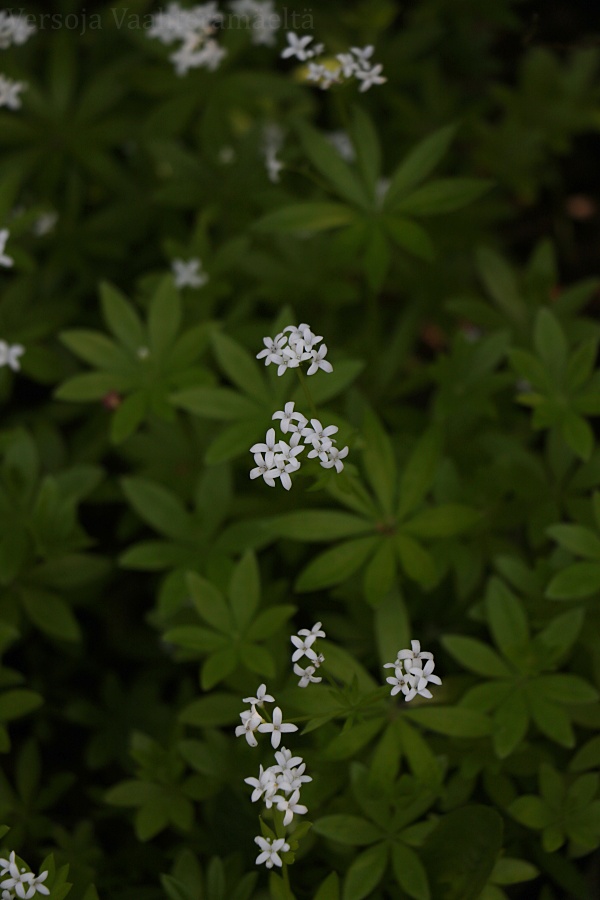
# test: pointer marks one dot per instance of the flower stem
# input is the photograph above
(307, 393)
(286, 882)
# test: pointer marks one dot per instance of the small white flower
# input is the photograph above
(261, 697)
(273, 166)
(341, 140)
(315, 431)
(303, 647)
(370, 77)
(402, 682)
(414, 656)
(269, 447)
(333, 457)
(285, 760)
(14, 29)
(297, 47)
(320, 446)
(363, 55)
(187, 274)
(296, 778)
(270, 851)
(423, 677)
(272, 348)
(260, 784)
(349, 64)
(37, 883)
(5, 260)
(291, 807)
(289, 452)
(316, 631)
(319, 361)
(9, 92)
(45, 223)
(9, 356)
(307, 676)
(250, 722)
(287, 415)
(264, 468)
(277, 727)
(297, 354)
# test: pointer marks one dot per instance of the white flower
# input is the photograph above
(349, 65)
(261, 697)
(370, 77)
(268, 448)
(333, 457)
(281, 469)
(37, 883)
(7, 863)
(289, 452)
(260, 784)
(296, 778)
(296, 331)
(297, 47)
(208, 56)
(307, 676)
(303, 647)
(9, 92)
(296, 354)
(363, 55)
(291, 807)
(414, 655)
(315, 431)
(404, 683)
(285, 760)
(316, 631)
(5, 260)
(319, 361)
(251, 720)
(9, 356)
(14, 29)
(320, 446)
(423, 677)
(270, 851)
(273, 166)
(45, 223)
(264, 468)
(187, 274)
(341, 140)
(286, 415)
(272, 348)
(276, 727)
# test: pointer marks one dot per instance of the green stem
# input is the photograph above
(307, 393)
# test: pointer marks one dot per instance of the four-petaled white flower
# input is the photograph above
(423, 677)
(287, 415)
(277, 727)
(261, 697)
(414, 655)
(333, 457)
(316, 631)
(402, 682)
(303, 647)
(319, 361)
(264, 468)
(285, 760)
(291, 807)
(270, 851)
(260, 784)
(307, 675)
(269, 447)
(370, 77)
(24, 884)
(272, 348)
(188, 274)
(297, 47)
(5, 260)
(251, 720)
(9, 356)
(9, 92)
(316, 432)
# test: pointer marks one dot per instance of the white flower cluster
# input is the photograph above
(301, 347)
(20, 882)
(279, 459)
(253, 721)
(9, 354)
(410, 675)
(188, 274)
(14, 29)
(355, 64)
(195, 28)
(260, 16)
(303, 642)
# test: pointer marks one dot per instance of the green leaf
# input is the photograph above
(507, 620)
(269, 621)
(443, 196)
(529, 811)
(392, 626)
(217, 667)
(244, 590)
(121, 317)
(17, 703)
(318, 525)
(550, 342)
(192, 637)
(421, 759)
(258, 660)
(233, 441)
(128, 417)
(576, 539)
(513, 871)
(410, 873)
(410, 236)
(336, 565)
(578, 434)
(476, 656)
(51, 614)
(380, 573)
(379, 462)
(501, 284)
(98, 350)
(222, 404)
(164, 318)
(551, 719)
(368, 151)
(418, 474)
(587, 756)
(365, 873)
(573, 582)
(352, 740)
(306, 217)
(239, 366)
(418, 164)
(90, 386)
(581, 363)
(346, 829)
(510, 724)
(159, 508)
(566, 688)
(326, 385)
(328, 161)
(560, 634)
(453, 721)
(417, 562)
(460, 853)
(209, 602)
(329, 889)
(442, 521)
(212, 712)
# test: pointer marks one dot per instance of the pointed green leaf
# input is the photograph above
(410, 872)
(336, 565)
(346, 829)
(418, 164)
(306, 217)
(244, 589)
(164, 318)
(365, 873)
(239, 366)
(328, 161)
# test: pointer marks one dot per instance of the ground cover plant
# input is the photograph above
(299, 470)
